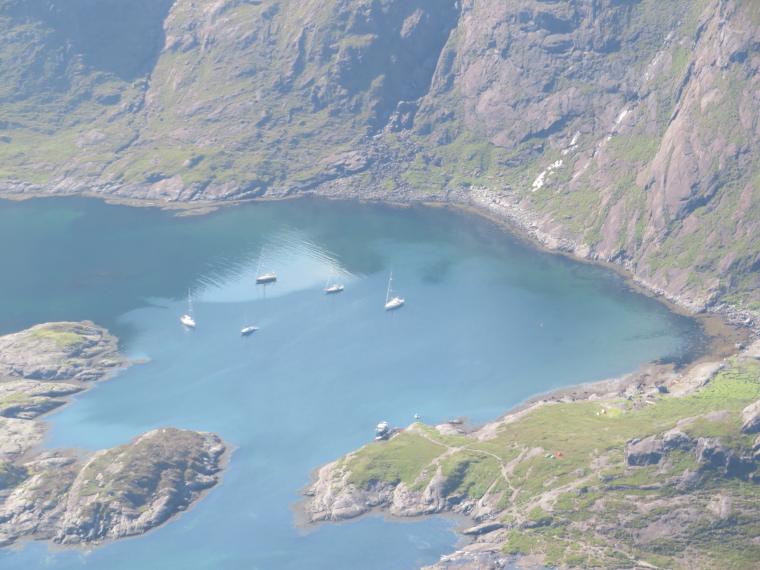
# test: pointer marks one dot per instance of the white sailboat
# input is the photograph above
(265, 278)
(248, 329)
(331, 286)
(189, 319)
(270, 277)
(392, 302)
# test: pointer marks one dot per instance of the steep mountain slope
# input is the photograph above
(645, 129)
(626, 130)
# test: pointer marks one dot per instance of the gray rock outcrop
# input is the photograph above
(675, 439)
(710, 451)
(114, 493)
(751, 418)
(27, 399)
(59, 351)
(647, 451)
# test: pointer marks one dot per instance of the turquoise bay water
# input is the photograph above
(488, 322)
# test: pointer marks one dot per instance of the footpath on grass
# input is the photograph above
(660, 473)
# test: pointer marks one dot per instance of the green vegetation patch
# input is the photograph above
(636, 149)
(11, 405)
(61, 337)
(470, 473)
(398, 460)
(594, 508)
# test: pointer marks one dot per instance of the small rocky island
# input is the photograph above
(61, 496)
(659, 471)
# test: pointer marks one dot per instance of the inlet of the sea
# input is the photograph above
(487, 322)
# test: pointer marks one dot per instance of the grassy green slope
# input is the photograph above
(587, 508)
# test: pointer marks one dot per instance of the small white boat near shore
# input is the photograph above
(382, 429)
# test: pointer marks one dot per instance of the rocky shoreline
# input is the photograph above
(334, 496)
(81, 501)
(501, 205)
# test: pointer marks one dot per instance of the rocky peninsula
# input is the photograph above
(80, 500)
(657, 471)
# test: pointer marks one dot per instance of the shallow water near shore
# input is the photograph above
(488, 322)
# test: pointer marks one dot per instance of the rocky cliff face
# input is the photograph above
(624, 131)
(114, 493)
(625, 128)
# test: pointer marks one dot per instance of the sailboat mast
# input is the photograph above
(261, 256)
(388, 294)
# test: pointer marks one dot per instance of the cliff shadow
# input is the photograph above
(121, 37)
